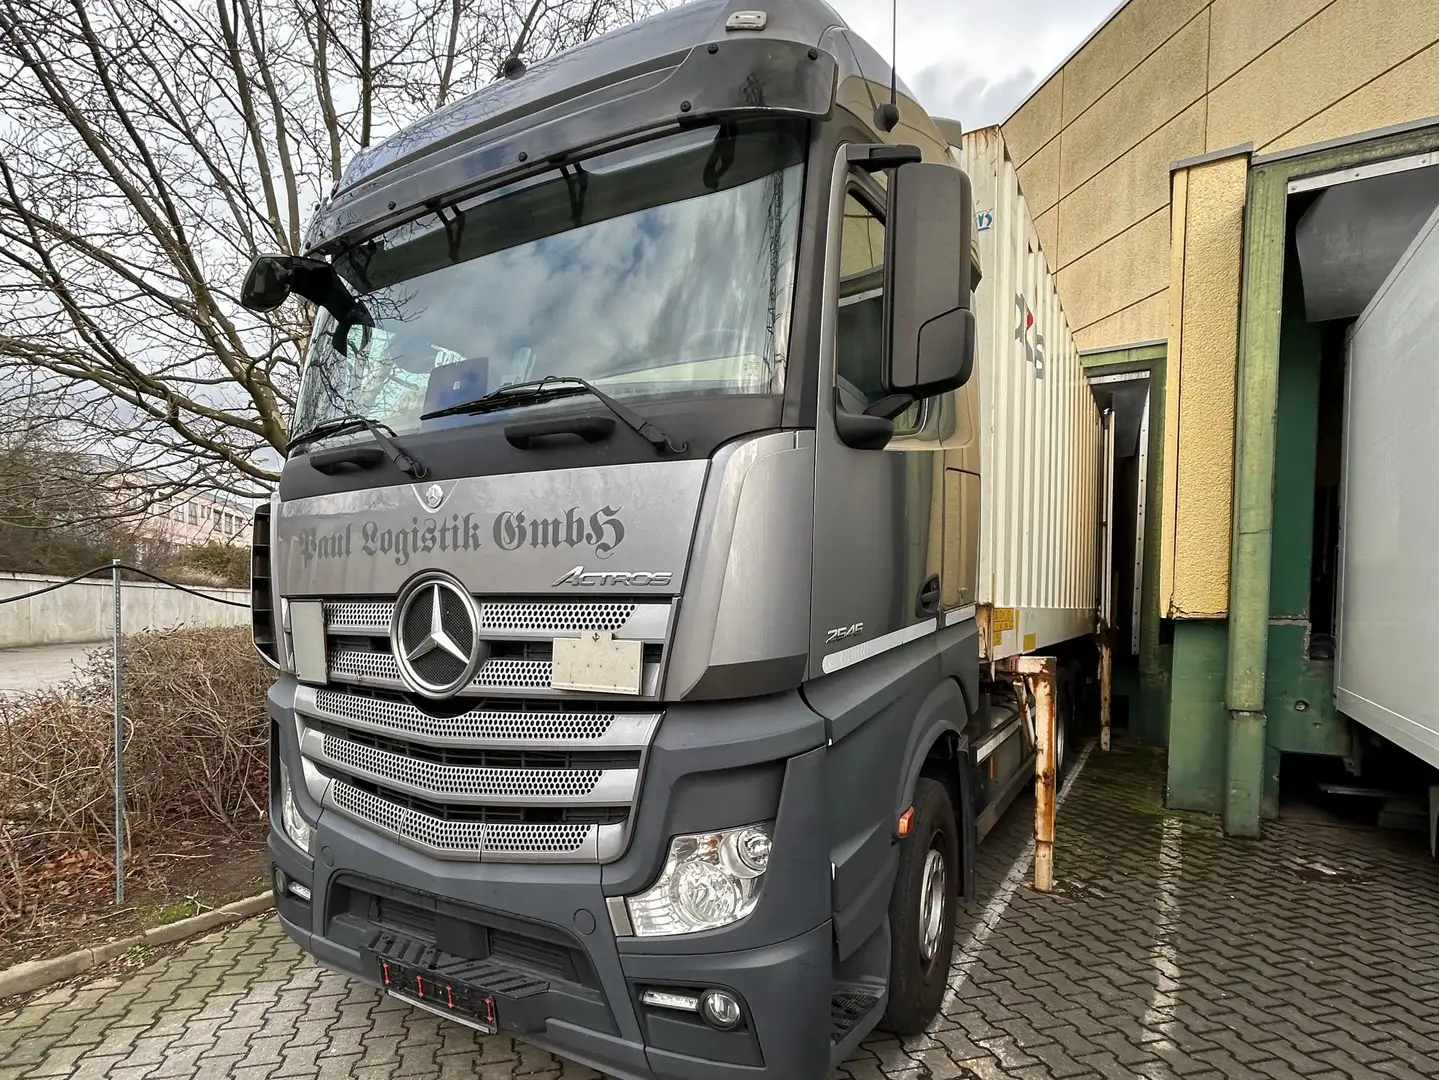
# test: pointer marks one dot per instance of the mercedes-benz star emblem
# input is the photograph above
(435, 636)
(434, 495)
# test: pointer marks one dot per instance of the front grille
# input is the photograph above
(504, 781)
(532, 954)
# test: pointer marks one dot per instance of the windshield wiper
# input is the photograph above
(382, 434)
(555, 386)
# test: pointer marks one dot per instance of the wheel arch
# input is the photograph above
(939, 749)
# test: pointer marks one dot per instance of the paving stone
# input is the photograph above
(1166, 953)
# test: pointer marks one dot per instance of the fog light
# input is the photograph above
(720, 1009)
(282, 883)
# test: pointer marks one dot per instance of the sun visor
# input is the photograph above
(743, 77)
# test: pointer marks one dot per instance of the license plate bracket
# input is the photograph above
(435, 992)
(596, 663)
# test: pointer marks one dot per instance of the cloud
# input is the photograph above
(975, 61)
(955, 92)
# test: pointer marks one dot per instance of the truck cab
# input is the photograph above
(620, 580)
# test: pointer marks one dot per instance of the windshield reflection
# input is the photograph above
(663, 269)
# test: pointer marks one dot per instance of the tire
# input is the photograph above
(1063, 725)
(920, 950)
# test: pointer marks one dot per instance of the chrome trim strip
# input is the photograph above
(959, 615)
(476, 841)
(619, 916)
(481, 728)
(837, 661)
(529, 678)
(472, 786)
(995, 739)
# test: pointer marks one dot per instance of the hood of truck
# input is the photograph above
(619, 528)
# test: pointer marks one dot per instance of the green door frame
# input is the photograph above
(1150, 358)
(1261, 301)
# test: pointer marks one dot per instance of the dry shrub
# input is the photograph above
(193, 703)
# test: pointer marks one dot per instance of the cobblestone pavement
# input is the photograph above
(1163, 952)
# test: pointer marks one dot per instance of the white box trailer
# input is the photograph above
(1388, 611)
(1044, 464)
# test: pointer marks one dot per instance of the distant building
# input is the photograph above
(188, 520)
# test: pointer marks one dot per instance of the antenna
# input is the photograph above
(886, 117)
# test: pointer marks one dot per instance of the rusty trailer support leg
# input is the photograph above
(1106, 674)
(1039, 671)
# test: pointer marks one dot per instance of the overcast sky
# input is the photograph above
(975, 60)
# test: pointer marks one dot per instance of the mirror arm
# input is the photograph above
(890, 407)
(876, 157)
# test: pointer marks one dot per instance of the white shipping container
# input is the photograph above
(1388, 590)
(1041, 455)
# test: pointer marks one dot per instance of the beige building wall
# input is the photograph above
(1143, 251)
(1165, 80)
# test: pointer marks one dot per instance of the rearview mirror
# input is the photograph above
(268, 283)
(929, 324)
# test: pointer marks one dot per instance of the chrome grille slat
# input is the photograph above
(467, 785)
(530, 678)
(481, 727)
(518, 620)
(494, 842)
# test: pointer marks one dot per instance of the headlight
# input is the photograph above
(296, 827)
(709, 880)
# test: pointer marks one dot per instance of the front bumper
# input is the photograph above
(558, 975)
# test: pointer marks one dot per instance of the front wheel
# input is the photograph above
(922, 912)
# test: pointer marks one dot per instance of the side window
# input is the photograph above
(859, 328)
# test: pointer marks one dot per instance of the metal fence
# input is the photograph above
(116, 569)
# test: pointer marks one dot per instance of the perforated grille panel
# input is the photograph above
(555, 617)
(477, 724)
(435, 779)
(497, 616)
(360, 615)
(462, 837)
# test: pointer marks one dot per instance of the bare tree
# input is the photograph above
(150, 148)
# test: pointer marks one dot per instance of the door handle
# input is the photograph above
(927, 602)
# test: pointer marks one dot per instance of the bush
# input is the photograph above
(193, 704)
(223, 564)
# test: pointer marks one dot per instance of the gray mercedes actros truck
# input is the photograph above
(619, 579)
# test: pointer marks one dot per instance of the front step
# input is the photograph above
(848, 1006)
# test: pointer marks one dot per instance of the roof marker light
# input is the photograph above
(747, 20)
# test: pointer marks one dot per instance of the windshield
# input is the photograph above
(663, 269)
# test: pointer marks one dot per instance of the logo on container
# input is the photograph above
(1033, 349)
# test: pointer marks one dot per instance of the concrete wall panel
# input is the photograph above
(1404, 93)
(1143, 321)
(1047, 226)
(1135, 32)
(1035, 122)
(1129, 190)
(1347, 45)
(1207, 352)
(1129, 268)
(1039, 179)
(1159, 89)
(1240, 30)
(85, 611)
